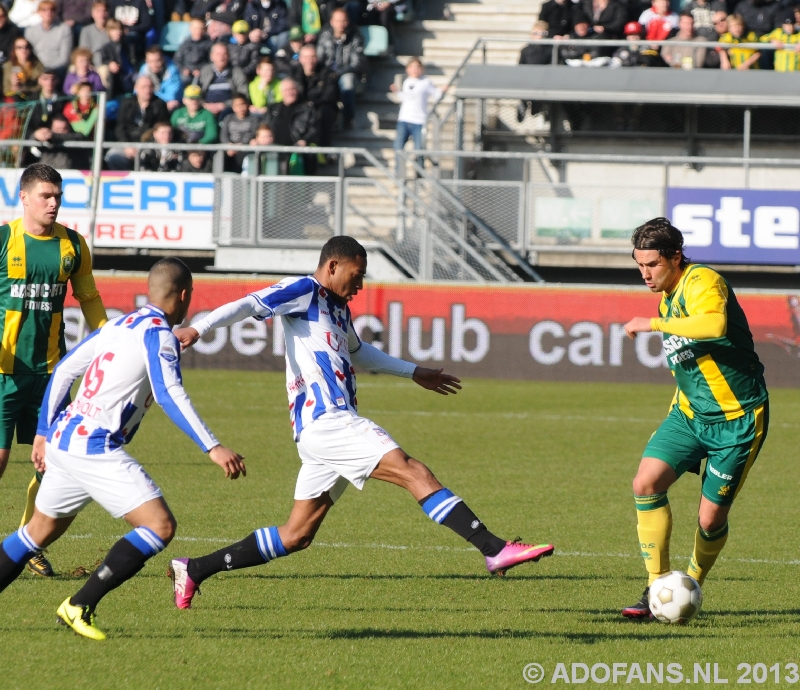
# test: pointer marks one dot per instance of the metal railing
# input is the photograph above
(437, 120)
(262, 210)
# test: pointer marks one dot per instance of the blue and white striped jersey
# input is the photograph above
(126, 364)
(320, 338)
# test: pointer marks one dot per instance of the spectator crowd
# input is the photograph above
(248, 71)
(775, 22)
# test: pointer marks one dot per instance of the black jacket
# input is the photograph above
(122, 81)
(575, 50)
(132, 123)
(42, 115)
(612, 18)
(226, 12)
(536, 55)
(272, 21)
(321, 87)
(151, 161)
(759, 16)
(558, 17)
(54, 154)
(299, 120)
(8, 34)
(135, 9)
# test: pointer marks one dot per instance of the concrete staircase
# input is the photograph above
(442, 45)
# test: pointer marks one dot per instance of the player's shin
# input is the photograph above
(17, 549)
(126, 558)
(257, 548)
(449, 510)
(655, 528)
(707, 546)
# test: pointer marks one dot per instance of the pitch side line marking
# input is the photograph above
(535, 415)
(401, 547)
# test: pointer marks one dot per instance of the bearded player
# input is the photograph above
(336, 446)
(720, 411)
(37, 259)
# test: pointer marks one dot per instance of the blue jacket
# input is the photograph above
(171, 86)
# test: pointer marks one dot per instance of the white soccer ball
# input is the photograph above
(675, 598)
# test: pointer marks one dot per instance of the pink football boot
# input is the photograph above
(184, 586)
(514, 553)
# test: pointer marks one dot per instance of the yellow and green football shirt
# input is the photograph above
(709, 348)
(738, 56)
(34, 271)
(788, 59)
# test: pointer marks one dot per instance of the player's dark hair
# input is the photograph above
(38, 172)
(661, 235)
(170, 269)
(341, 247)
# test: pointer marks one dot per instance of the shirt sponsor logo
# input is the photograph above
(40, 290)
(681, 357)
(675, 343)
(168, 354)
(335, 341)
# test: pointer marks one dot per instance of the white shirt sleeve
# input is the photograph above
(162, 356)
(56, 397)
(371, 358)
(289, 296)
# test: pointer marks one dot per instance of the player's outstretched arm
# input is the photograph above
(436, 380)
(226, 315)
(638, 324)
(163, 368)
(229, 461)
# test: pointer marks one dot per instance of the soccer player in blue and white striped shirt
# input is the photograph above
(126, 365)
(337, 446)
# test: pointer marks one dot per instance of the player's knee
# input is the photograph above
(711, 521)
(642, 486)
(166, 528)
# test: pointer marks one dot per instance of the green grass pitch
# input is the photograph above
(386, 598)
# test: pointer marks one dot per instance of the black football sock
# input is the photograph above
(459, 518)
(256, 548)
(9, 570)
(126, 558)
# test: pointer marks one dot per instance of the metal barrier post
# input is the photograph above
(746, 148)
(254, 188)
(97, 163)
(459, 136)
(524, 207)
(338, 201)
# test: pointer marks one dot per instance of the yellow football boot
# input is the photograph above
(80, 619)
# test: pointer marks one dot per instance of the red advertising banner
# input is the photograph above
(525, 332)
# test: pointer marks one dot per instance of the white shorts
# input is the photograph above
(115, 480)
(336, 450)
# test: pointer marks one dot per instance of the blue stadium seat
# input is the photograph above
(172, 35)
(376, 41)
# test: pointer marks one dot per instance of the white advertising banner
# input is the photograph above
(135, 209)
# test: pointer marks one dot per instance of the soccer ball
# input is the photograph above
(675, 598)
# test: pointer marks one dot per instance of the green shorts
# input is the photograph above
(730, 447)
(20, 399)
